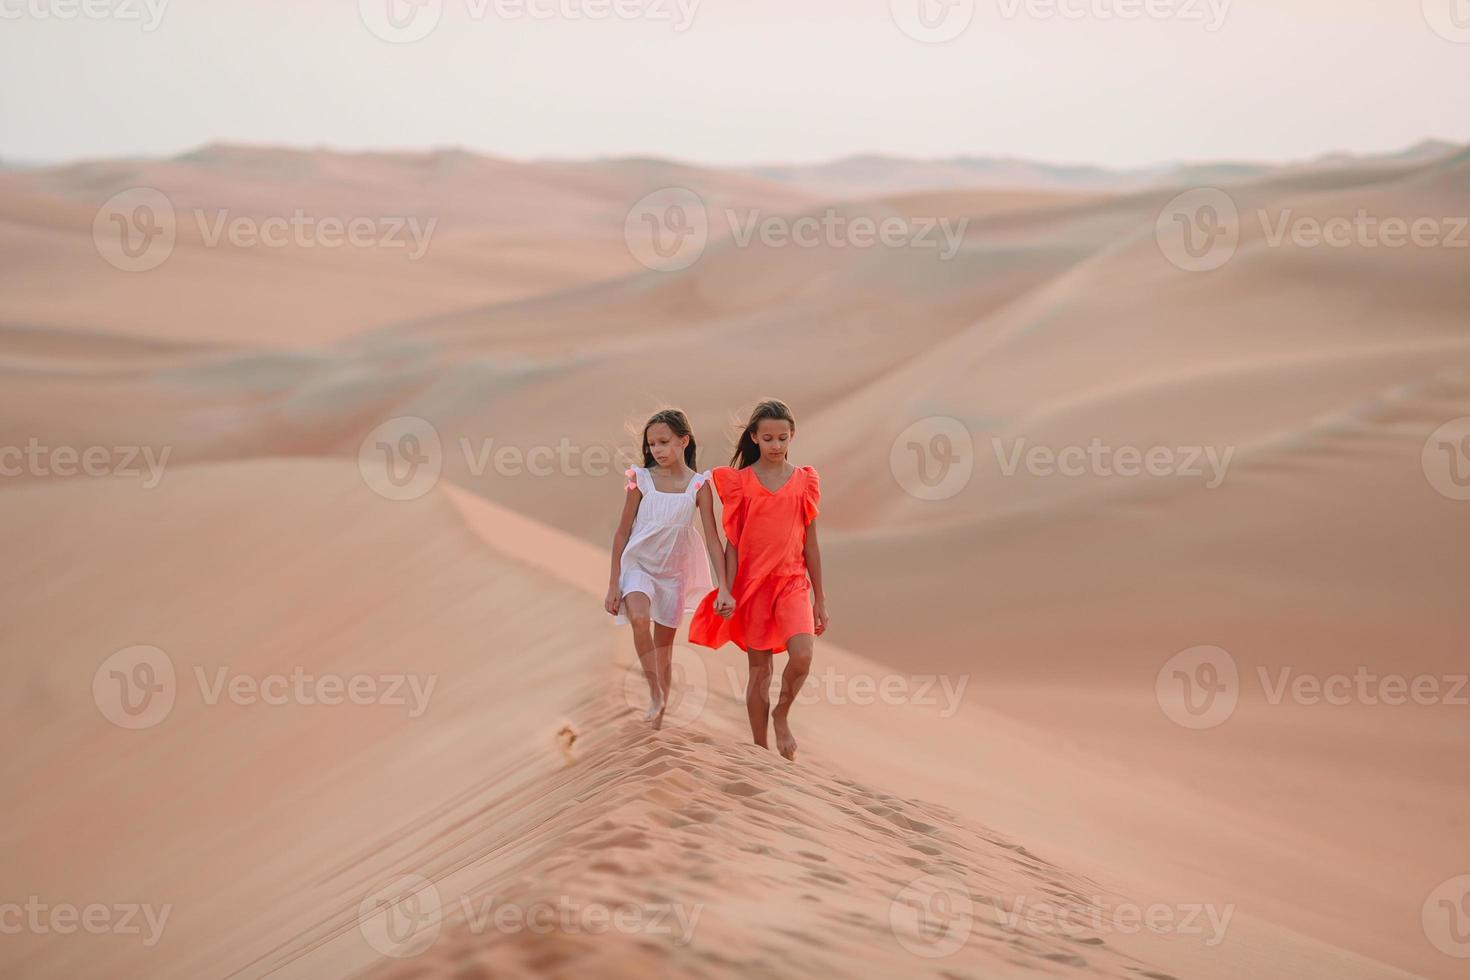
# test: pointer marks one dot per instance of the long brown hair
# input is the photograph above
(746, 451)
(679, 423)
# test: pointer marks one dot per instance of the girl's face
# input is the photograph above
(667, 448)
(773, 438)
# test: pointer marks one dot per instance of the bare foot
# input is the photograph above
(655, 713)
(785, 741)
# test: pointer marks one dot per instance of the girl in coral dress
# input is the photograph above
(660, 567)
(774, 566)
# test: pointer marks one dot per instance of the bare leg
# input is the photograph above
(798, 664)
(663, 650)
(758, 695)
(635, 607)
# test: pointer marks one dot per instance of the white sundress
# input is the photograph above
(665, 556)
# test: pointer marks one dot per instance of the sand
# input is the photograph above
(1036, 767)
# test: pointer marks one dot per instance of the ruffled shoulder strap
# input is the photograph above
(637, 479)
(811, 494)
(699, 480)
(730, 485)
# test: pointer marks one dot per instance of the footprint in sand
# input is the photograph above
(566, 738)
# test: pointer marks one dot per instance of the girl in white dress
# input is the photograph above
(660, 567)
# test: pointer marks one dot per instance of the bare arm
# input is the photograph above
(619, 542)
(732, 561)
(812, 551)
(706, 504)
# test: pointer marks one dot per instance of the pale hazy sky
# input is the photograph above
(723, 81)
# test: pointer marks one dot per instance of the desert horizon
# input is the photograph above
(1141, 488)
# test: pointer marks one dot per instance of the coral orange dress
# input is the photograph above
(768, 531)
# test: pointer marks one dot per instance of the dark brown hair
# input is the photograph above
(746, 451)
(679, 423)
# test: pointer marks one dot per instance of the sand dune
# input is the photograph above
(1322, 550)
(247, 295)
(309, 810)
(482, 231)
(464, 190)
(872, 175)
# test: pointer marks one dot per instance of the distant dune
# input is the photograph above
(868, 175)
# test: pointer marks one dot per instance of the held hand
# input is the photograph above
(725, 604)
(819, 611)
(612, 601)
